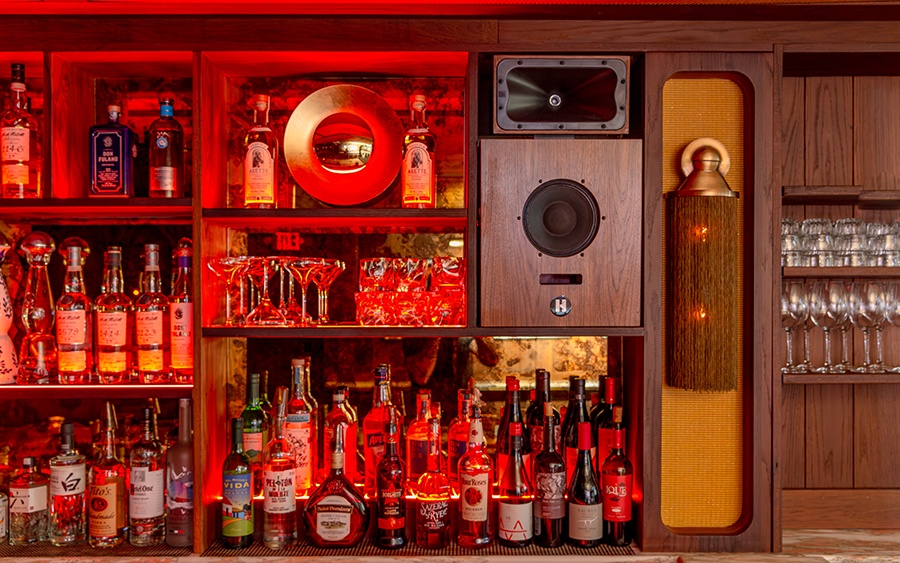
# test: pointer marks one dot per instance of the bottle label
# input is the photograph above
(105, 519)
(15, 174)
(474, 496)
(253, 444)
(434, 515)
(181, 323)
(67, 480)
(279, 491)
(259, 174)
(112, 362)
(373, 452)
(26, 501)
(72, 361)
(71, 328)
(112, 329)
(536, 438)
(149, 328)
(585, 522)
(147, 495)
(514, 521)
(392, 515)
(179, 487)
(237, 505)
(150, 360)
(333, 518)
(298, 431)
(107, 162)
(617, 498)
(14, 144)
(550, 490)
(162, 179)
(606, 439)
(418, 174)
(418, 458)
(455, 450)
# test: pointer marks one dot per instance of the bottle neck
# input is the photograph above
(260, 117)
(423, 412)
(110, 443)
(184, 424)
(182, 285)
(390, 448)
(549, 430)
(417, 116)
(513, 409)
(74, 281)
(476, 433)
(463, 411)
(17, 98)
(237, 440)
(542, 390)
(299, 382)
(253, 395)
(151, 281)
(115, 280)
(148, 430)
(279, 427)
(381, 395)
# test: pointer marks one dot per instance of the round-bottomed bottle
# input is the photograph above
(108, 507)
(280, 504)
(237, 492)
(68, 480)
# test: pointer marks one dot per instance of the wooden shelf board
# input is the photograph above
(40, 392)
(841, 195)
(840, 272)
(356, 220)
(838, 378)
(97, 211)
(356, 331)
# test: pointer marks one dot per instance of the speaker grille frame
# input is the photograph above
(591, 208)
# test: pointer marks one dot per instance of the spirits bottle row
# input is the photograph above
(145, 499)
(111, 339)
(574, 486)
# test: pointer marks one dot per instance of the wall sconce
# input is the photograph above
(702, 274)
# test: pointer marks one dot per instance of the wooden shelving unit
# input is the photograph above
(48, 392)
(840, 272)
(839, 378)
(841, 195)
(106, 211)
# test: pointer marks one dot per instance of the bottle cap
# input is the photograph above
(609, 386)
(281, 401)
(166, 107)
(237, 429)
(151, 255)
(113, 256)
(18, 73)
(338, 395)
(417, 99)
(512, 383)
(148, 414)
(28, 462)
(67, 435)
(382, 374)
(300, 362)
(584, 435)
(260, 101)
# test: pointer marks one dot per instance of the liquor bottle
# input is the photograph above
(374, 423)
(417, 440)
(354, 473)
(181, 318)
(616, 482)
(4, 518)
(38, 352)
(433, 501)
(280, 505)
(535, 415)
(514, 507)
(390, 532)
(20, 144)
(418, 174)
(107, 514)
(434, 424)
(255, 432)
(28, 508)
(300, 427)
(458, 437)
(585, 518)
(74, 318)
(512, 413)
(549, 487)
(260, 158)
(166, 153)
(340, 415)
(264, 403)
(336, 514)
(603, 422)
(114, 323)
(237, 492)
(576, 413)
(146, 492)
(68, 480)
(113, 150)
(476, 482)
(180, 482)
(151, 318)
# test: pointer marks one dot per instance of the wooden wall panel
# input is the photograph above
(829, 131)
(793, 132)
(829, 436)
(876, 420)
(793, 444)
(842, 508)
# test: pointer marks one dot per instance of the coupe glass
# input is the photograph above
(866, 305)
(230, 269)
(301, 269)
(265, 313)
(828, 310)
(323, 274)
(793, 314)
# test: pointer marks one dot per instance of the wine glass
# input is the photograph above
(229, 269)
(892, 311)
(265, 313)
(301, 269)
(828, 310)
(323, 274)
(793, 314)
(866, 305)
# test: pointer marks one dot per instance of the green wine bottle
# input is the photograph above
(237, 492)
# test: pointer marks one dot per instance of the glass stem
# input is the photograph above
(827, 365)
(845, 346)
(866, 347)
(323, 305)
(806, 362)
(879, 347)
(789, 346)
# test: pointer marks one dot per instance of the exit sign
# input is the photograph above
(287, 241)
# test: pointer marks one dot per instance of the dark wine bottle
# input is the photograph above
(237, 492)
(512, 414)
(549, 488)
(534, 416)
(585, 518)
(391, 502)
(514, 507)
(576, 413)
(603, 422)
(616, 480)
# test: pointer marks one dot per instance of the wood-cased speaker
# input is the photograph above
(561, 232)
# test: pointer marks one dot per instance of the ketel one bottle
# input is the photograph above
(113, 150)
(146, 498)
(68, 480)
(74, 317)
(301, 427)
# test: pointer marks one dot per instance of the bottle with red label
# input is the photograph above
(585, 518)
(433, 499)
(515, 503)
(390, 532)
(602, 419)
(576, 413)
(374, 423)
(151, 313)
(340, 415)
(512, 413)
(458, 437)
(476, 482)
(114, 323)
(549, 488)
(534, 416)
(280, 505)
(616, 480)
(301, 427)
(181, 318)
(74, 317)
(418, 436)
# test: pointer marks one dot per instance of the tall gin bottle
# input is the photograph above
(68, 480)
(146, 495)
(114, 323)
(180, 482)
(21, 160)
(280, 505)
(113, 150)
(166, 153)
(418, 174)
(237, 492)
(181, 318)
(151, 312)
(300, 427)
(74, 317)
(260, 158)
(107, 516)
(28, 505)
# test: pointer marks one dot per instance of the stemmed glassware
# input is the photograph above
(229, 269)
(794, 312)
(265, 313)
(323, 274)
(828, 310)
(866, 305)
(892, 311)
(301, 269)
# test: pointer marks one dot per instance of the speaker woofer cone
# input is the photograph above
(560, 218)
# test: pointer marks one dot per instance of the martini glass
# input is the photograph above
(288, 305)
(265, 313)
(301, 269)
(229, 269)
(324, 274)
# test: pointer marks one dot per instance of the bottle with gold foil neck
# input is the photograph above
(418, 173)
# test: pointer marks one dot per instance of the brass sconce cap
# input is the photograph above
(705, 162)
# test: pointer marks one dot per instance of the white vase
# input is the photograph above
(9, 364)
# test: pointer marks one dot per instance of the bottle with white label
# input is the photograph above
(107, 511)
(514, 507)
(151, 318)
(68, 477)
(280, 505)
(146, 491)
(260, 158)
(29, 512)
(300, 427)
(21, 162)
(74, 317)
(181, 318)
(476, 489)
(585, 516)
(166, 153)
(114, 316)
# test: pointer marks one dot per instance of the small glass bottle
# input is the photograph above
(166, 153)
(336, 514)
(113, 150)
(181, 318)
(38, 353)
(458, 437)
(280, 505)
(114, 323)
(180, 482)
(255, 434)
(21, 161)
(146, 498)
(151, 318)
(74, 317)
(260, 158)
(433, 501)
(68, 480)
(576, 413)
(514, 506)
(418, 436)
(549, 487)
(616, 479)
(340, 415)
(476, 482)
(418, 173)
(374, 423)
(390, 501)
(108, 513)
(585, 518)
(237, 492)
(301, 427)
(28, 505)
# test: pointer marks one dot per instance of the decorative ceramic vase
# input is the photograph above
(9, 363)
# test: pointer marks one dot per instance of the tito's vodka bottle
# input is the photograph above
(114, 323)
(74, 326)
(147, 518)
(20, 144)
(152, 322)
(107, 512)
(181, 318)
(418, 176)
(260, 158)
(67, 485)
(166, 153)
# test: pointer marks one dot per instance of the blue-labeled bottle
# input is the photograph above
(237, 492)
(113, 150)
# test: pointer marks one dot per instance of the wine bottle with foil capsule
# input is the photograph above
(516, 496)
(576, 413)
(476, 482)
(390, 531)
(512, 413)
(237, 492)
(108, 507)
(616, 479)
(603, 423)
(549, 488)
(280, 505)
(373, 426)
(585, 517)
(255, 433)
(301, 427)
(534, 416)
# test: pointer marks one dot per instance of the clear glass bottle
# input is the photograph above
(374, 423)
(37, 353)
(146, 498)
(166, 153)
(476, 482)
(585, 518)
(576, 413)
(260, 158)
(433, 521)
(418, 436)
(515, 501)
(151, 319)
(458, 437)
(616, 477)
(301, 427)
(29, 513)
(336, 514)
(113, 150)
(181, 317)
(180, 482)
(418, 173)
(340, 415)
(549, 487)
(21, 159)
(280, 505)
(74, 317)
(255, 434)
(115, 319)
(390, 501)
(68, 482)
(107, 513)
(237, 492)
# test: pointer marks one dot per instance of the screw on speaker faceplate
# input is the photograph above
(561, 126)
(555, 100)
(518, 62)
(562, 62)
(622, 81)
(582, 254)
(519, 218)
(603, 63)
(539, 254)
(519, 125)
(603, 217)
(500, 107)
